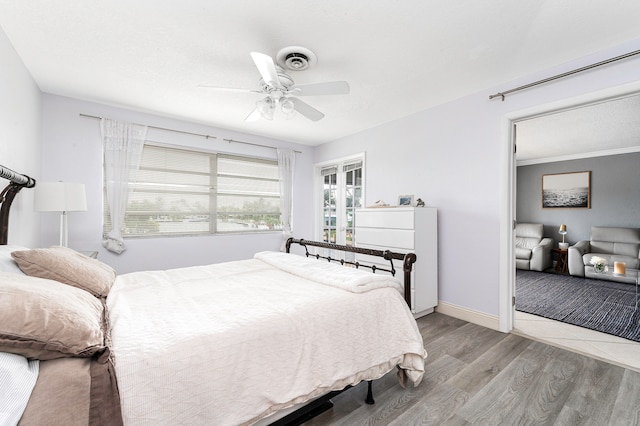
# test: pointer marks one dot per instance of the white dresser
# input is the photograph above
(405, 229)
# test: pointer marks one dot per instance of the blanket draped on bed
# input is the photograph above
(234, 342)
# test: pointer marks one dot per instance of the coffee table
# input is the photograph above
(631, 276)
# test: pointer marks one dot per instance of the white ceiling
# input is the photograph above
(602, 128)
(399, 57)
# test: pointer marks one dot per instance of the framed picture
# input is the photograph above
(566, 191)
(405, 200)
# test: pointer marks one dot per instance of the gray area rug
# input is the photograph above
(604, 306)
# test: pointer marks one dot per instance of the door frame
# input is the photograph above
(508, 185)
(317, 184)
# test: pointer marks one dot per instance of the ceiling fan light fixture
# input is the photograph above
(266, 107)
(287, 107)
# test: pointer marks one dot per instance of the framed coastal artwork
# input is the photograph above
(405, 200)
(566, 190)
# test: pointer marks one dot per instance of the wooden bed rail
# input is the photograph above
(17, 182)
(408, 259)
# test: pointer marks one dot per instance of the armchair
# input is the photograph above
(533, 251)
(612, 244)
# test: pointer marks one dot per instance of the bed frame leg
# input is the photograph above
(369, 400)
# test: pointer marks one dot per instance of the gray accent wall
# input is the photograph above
(615, 196)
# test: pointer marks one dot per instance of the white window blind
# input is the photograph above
(183, 192)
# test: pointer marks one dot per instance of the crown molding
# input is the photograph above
(579, 156)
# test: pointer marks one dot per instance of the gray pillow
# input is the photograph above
(45, 319)
(67, 266)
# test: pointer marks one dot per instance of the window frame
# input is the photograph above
(213, 194)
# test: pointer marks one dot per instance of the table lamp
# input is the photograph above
(563, 232)
(60, 197)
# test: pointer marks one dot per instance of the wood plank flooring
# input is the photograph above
(475, 375)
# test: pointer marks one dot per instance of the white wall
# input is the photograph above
(19, 139)
(72, 152)
(453, 157)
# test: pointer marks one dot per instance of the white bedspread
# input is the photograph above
(231, 343)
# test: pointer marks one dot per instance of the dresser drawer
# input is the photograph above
(388, 218)
(402, 239)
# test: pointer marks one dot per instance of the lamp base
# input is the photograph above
(563, 246)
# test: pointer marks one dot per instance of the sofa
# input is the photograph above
(612, 244)
(533, 251)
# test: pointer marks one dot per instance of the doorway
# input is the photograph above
(599, 345)
(340, 192)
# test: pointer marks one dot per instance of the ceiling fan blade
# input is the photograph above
(328, 88)
(253, 115)
(229, 89)
(267, 68)
(307, 110)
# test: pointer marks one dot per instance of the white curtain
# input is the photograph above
(286, 166)
(122, 143)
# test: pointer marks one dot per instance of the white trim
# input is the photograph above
(507, 219)
(617, 151)
(508, 182)
(469, 315)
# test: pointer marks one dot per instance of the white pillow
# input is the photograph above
(7, 264)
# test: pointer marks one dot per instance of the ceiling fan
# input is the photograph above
(281, 91)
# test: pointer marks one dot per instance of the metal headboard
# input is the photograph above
(408, 259)
(17, 182)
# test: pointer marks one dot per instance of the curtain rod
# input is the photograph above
(159, 128)
(255, 144)
(568, 73)
(194, 134)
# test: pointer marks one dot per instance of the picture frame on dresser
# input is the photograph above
(405, 200)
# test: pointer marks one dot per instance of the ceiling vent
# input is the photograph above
(296, 58)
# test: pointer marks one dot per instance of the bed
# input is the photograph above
(238, 342)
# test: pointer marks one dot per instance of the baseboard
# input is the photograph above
(469, 315)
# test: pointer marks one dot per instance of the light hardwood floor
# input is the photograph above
(475, 375)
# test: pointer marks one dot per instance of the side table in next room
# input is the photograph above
(562, 265)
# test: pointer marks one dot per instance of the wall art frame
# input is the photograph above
(566, 190)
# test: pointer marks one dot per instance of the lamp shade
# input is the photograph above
(563, 229)
(60, 197)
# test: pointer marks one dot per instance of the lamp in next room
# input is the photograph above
(60, 197)
(563, 231)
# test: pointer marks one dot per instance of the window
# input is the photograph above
(342, 193)
(181, 192)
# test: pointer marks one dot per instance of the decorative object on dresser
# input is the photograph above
(420, 203)
(405, 200)
(379, 203)
(563, 231)
(407, 229)
(61, 197)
